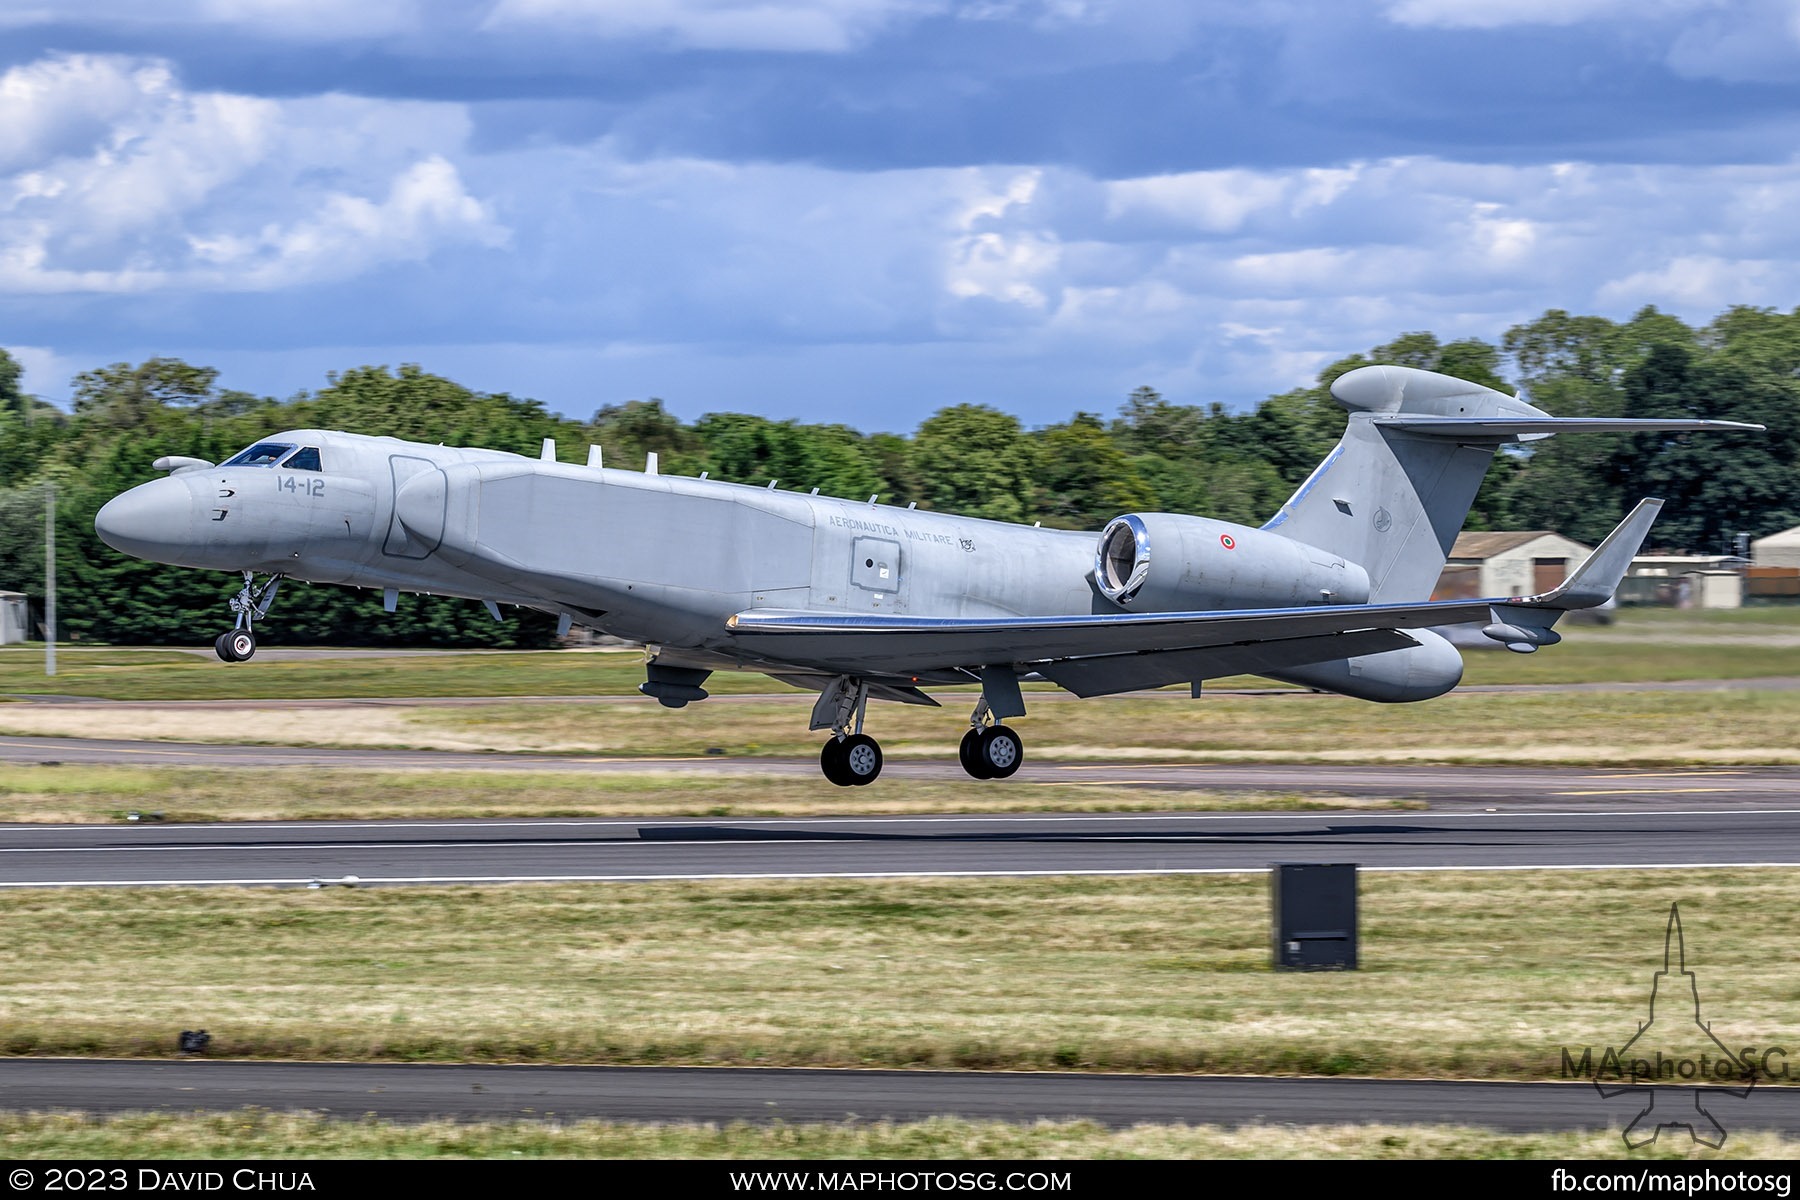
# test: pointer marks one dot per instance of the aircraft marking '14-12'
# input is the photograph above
(856, 599)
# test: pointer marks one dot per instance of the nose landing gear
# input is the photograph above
(250, 605)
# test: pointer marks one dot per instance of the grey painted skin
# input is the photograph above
(859, 599)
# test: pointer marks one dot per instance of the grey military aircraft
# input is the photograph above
(857, 599)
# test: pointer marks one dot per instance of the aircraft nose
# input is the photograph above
(148, 521)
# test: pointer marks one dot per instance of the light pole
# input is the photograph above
(49, 577)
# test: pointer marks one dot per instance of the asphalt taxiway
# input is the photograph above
(419, 1091)
(600, 850)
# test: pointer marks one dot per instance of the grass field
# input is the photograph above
(1644, 645)
(258, 1134)
(76, 793)
(1466, 975)
(1482, 975)
(1726, 726)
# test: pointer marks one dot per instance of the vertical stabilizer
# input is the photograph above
(1392, 500)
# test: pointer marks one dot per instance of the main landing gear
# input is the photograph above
(250, 605)
(989, 751)
(852, 758)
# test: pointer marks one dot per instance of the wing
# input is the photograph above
(1108, 651)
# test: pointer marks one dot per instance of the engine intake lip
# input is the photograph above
(1122, 558)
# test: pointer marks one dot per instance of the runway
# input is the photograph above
(1479, 786)
(566, 850)
(418, 1091)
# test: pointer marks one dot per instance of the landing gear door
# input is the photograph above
(875, 568)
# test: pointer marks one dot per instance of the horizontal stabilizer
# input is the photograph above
(1484, 429)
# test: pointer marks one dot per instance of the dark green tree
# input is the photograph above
(976, 461)
(1084, 479)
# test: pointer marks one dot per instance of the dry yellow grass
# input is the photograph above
(1728, 725)
(76, 793)
(1466, 975)
(258, 1134)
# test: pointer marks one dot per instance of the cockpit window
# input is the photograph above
(306, 458)
(263, 454)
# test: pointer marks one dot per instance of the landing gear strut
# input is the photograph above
(989, 751)
(851, 758)
(251, 604)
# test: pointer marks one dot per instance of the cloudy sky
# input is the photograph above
(863, 210)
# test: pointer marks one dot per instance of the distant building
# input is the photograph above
(1500, 563)
(1529, 562)
(1685, 581)
(1777, 550)
(1774, 573)
(14, 623)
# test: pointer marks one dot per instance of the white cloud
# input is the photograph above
(61, 103)
(1493, 14)
(1002, 268)
(990, 259)
(311, 20)
(1753, 41)
(1701, 283)
(1214, 201)
(1735, 40)
(118, 179)
(425, 204)
(819, 26)
(214, 191)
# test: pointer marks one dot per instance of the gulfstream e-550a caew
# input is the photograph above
(859, 599)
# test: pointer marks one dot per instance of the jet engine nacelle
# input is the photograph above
(1166, 562)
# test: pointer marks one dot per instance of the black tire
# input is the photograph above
(222, 647)
(969, 753)
(861, 756)
(831, 761)
(242, 644)
(1001, 751)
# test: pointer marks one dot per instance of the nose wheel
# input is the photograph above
(251, 604)
(236, 645)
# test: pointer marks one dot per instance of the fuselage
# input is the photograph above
(659, 558)
(667, 560)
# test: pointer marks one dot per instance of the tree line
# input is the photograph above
(1149, 455)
